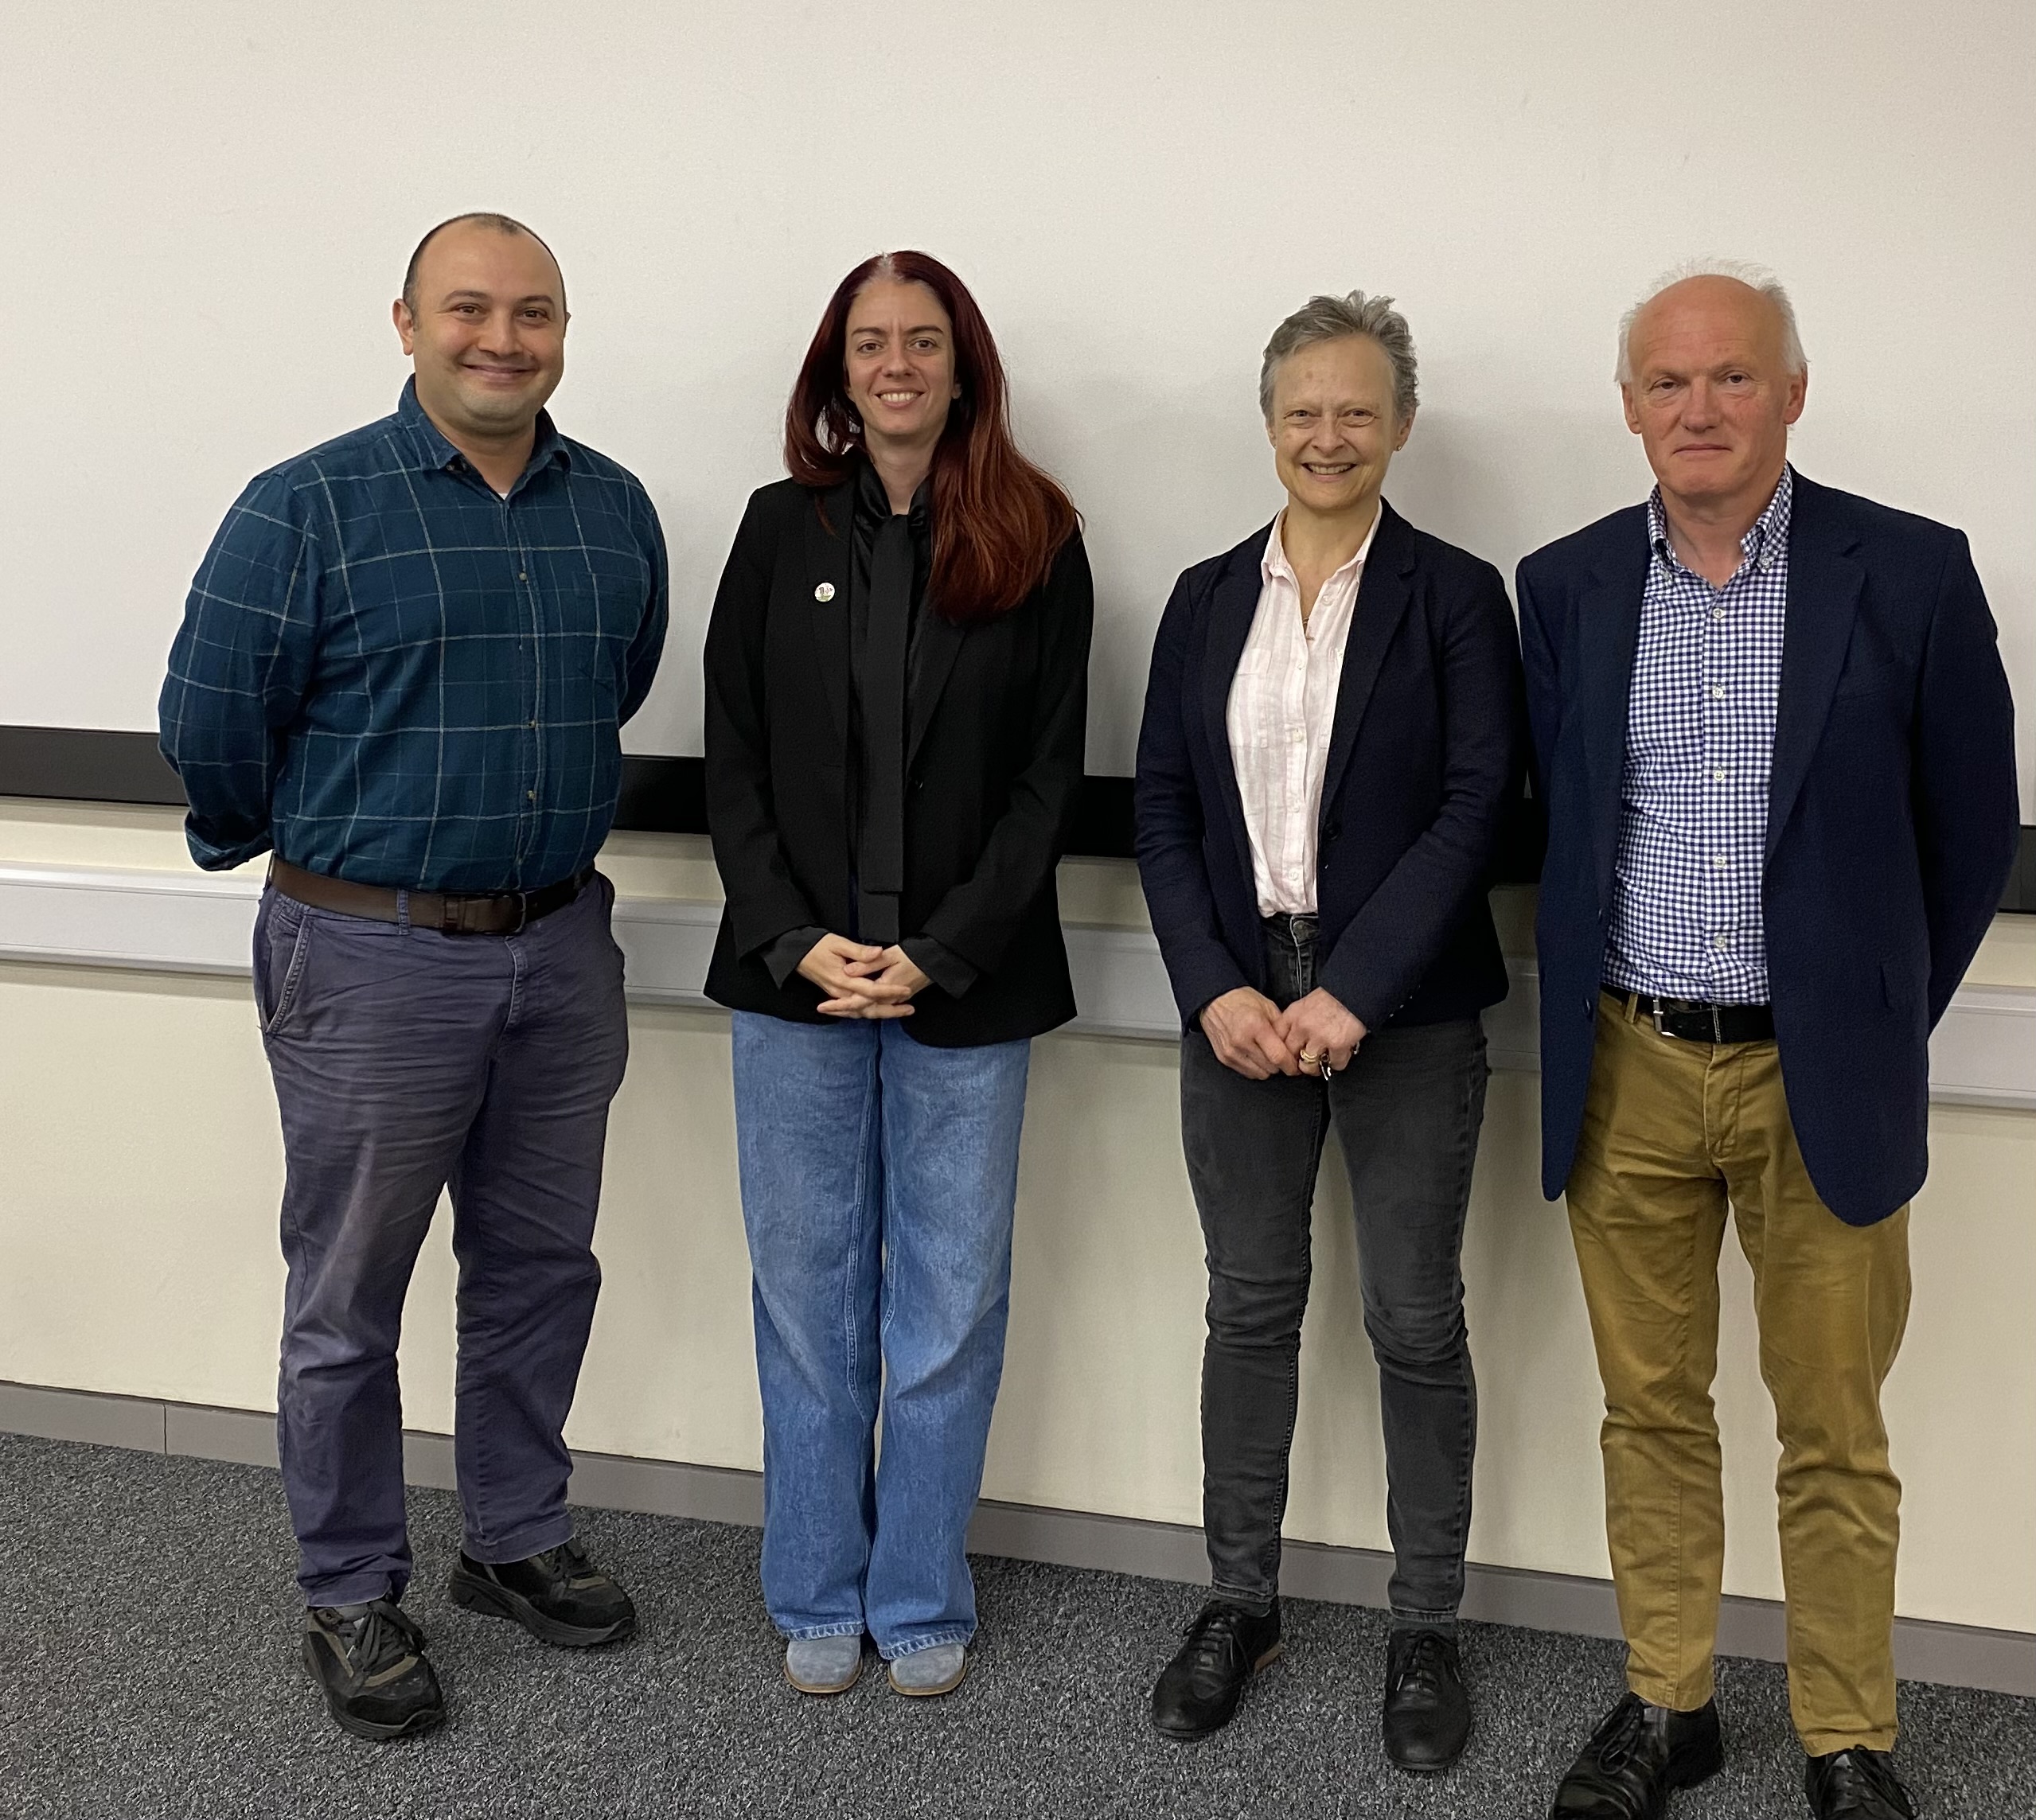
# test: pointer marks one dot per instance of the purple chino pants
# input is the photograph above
(407, 1062)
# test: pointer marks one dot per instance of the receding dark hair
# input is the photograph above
(485, 218)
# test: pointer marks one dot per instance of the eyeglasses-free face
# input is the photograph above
(899, 364)
(1333, 428)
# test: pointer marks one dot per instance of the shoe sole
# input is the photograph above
(1185, 1736)
(961, 1674)
(493, 1601)
(855, 1675)
(410, 1728)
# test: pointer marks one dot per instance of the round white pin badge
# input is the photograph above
(824, 592)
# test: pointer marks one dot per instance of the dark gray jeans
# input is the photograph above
(1406, 1113)
(405, 1062)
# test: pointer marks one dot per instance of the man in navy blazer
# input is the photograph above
(1774, 742)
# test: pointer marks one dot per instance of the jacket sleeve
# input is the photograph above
(1171, 822)
(764, 900)
(1543, 686)
(238, 669)
(977, 918)
(1963, 784)
(1384, 950)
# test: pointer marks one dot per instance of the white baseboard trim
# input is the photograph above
(1957, 1655)
(1983, 1052)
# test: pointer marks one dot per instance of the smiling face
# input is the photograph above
(1333, 427)
(1711, 398)
(486, 324)
(899, 364)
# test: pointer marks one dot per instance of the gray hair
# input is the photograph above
(1753, 277)
(1334, 319)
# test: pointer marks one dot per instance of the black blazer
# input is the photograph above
(995, 741)
(1892, 819)
(1424, 752)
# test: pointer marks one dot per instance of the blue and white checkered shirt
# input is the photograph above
(391, 674)
(1686, 920)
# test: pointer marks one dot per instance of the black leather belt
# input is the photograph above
(451, 912)
(1693, 1021)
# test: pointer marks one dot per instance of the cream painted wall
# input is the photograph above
(137, 1228)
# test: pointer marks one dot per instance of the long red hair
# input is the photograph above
(998, 519)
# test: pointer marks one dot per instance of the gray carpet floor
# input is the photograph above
(148, 1670)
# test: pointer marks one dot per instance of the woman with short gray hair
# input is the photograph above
(1330, 733)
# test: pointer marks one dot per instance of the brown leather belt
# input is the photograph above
(451, 912)
(1694, 1021)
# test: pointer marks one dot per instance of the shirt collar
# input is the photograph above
(435, 453)
(1274, 561)
(1766, 538)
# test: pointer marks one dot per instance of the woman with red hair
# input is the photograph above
(896, 674)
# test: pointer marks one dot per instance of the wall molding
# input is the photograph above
(1958, 1655)
(1983, 1052)
(667, 796)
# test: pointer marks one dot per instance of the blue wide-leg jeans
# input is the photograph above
(879, 1177)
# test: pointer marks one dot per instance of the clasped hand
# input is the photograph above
(1252, 1036)
(860, 981)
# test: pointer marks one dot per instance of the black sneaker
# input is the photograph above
(1198, 1690)
(370, 1661)
(559, 1597)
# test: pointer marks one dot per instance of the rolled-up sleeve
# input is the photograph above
(238, 669)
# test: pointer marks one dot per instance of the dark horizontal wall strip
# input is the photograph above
(663, 796)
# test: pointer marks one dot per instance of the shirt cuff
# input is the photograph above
(782, 956)
(942, 966)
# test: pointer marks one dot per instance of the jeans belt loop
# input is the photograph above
(402, 911)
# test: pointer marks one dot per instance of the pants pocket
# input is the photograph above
(279, 971)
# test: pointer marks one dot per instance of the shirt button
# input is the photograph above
(1721, 860)
(1717, 777)
(523, 574)
(1717, 694)
(532, 794)
(1717, 613)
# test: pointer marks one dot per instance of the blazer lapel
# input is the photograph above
(830, 567)
(1609, 627)
(1824, 585)
(1233, 605)
(940, 642)
(1383, 595)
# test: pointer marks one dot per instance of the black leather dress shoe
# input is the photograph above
(1426, 1719)
(559, 1595)
(368, 1661)
(1856, 1785)
(1198, 1690)
(1635, 1758)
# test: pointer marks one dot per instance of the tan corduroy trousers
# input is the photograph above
(1673, 1132)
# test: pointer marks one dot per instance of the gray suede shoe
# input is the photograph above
(824, 1665)
(927, 1672)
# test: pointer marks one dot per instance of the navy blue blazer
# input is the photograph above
(1892, 819)
(1425, 746)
